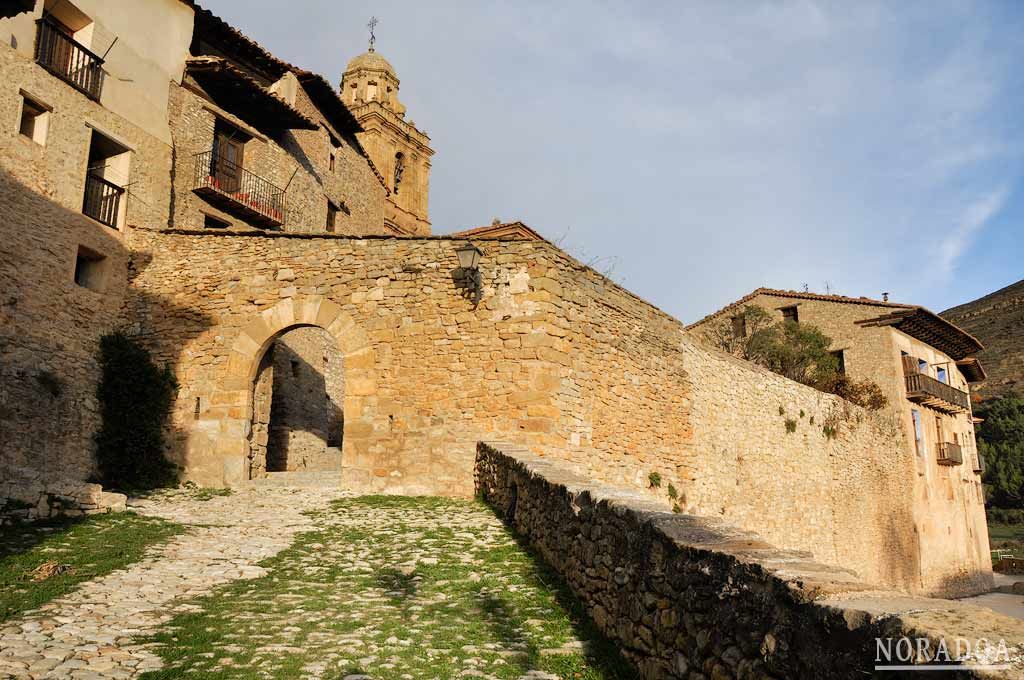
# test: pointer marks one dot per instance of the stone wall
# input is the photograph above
(555, 357)
(28, 495)
(49, 324)
(691, 597)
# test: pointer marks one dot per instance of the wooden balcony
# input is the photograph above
(72, 62)
(950, 454)
(237, 191)
(927, 391)
(102, 200)
(979, 463)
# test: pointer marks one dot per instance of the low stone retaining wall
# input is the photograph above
(690, 597)
(26, 499)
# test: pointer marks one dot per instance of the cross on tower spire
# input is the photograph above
(373, 24)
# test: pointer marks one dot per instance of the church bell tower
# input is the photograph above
(401, 151)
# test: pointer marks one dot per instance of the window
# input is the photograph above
(739, 326)
(790, 314)
(332, 216)
(940, 373)
(915, 415)
(938, 430)
(35, 120)
(840, 360)
(332, 158)
(399, 169)
(922, 366)
(211, 222)
(90, 269)
(295, 368)
(105, 177)
(371, 91)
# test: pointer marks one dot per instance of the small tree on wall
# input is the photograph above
(798, 351)
(135, 397)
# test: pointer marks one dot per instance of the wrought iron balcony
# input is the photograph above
(950, 454)
(72, 62)
(102, 200)
(238, 191)
(926, 390)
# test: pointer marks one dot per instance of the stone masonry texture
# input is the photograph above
(691, 597)
(555, 357)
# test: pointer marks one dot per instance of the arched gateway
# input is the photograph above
(234, 440)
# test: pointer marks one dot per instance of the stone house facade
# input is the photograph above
(924, 366)
(223, 286)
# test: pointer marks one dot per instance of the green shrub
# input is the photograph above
(1001, 442)
(672, 493)
(790, 425)
(655, 479)
(135, 397)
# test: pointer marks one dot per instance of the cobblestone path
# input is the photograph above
(387, 588)
(93, 631)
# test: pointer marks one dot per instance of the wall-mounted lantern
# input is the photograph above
(469, 261)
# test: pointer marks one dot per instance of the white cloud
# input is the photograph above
(775, 143)
(976, 215)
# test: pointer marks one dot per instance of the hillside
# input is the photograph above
(998, 321)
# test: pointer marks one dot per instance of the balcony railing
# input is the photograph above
(950, 454)
(70, 61)
(936, 394)
(238, 191)
(102, 200)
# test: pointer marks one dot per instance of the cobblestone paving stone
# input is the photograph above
(281, 583)
(393, 588)
(93, 631)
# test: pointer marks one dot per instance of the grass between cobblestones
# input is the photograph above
(89, 547)
(392, 587)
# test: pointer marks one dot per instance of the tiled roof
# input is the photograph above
(318, 88)
(501, 230)
(798, 295)
(914, 320)
(255, 103)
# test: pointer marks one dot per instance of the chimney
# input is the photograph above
(885, 297)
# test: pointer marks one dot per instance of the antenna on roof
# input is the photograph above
(373, 24)
(806, 288)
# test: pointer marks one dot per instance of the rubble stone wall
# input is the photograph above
(691, 597)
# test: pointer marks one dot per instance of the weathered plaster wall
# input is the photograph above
(691, 597)
(137, 67)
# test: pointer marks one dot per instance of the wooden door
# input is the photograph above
(227, 160)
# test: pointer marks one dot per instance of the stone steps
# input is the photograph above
(299, 479)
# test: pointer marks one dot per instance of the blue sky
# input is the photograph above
(699, 150)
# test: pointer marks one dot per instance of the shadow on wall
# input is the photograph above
(301, 380)
(65, 282)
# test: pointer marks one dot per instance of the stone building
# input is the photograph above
(234, 214)
(402, 151)
(924, 365)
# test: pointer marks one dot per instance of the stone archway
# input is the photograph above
(233, 439)
(298, 395)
